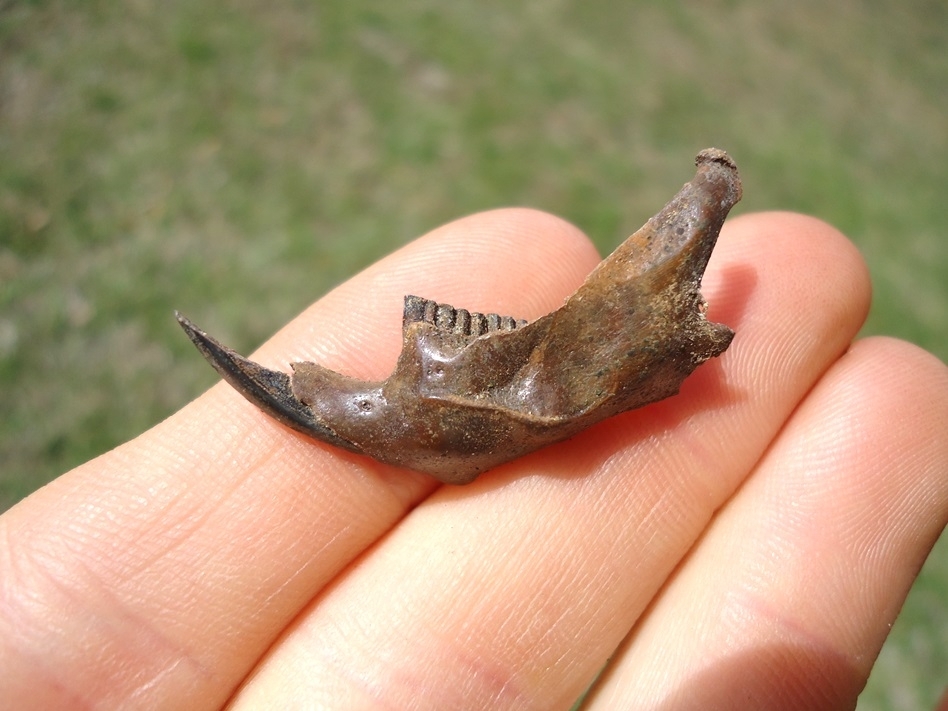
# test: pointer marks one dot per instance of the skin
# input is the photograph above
(745, 544)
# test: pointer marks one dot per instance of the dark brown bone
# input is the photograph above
(470, 392)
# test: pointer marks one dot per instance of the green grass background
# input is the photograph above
(237, 159)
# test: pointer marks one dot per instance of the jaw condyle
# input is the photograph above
(471, 391)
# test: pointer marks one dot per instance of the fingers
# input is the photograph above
(159, 573)
(787, 599)
(513, 592)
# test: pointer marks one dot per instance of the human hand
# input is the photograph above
(745, 544)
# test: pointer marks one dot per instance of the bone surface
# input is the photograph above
(472, 391)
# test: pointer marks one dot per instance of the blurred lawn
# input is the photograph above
(237, 159)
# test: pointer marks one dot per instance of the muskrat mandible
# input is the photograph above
(471, 391)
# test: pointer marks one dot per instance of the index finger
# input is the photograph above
(130, 578)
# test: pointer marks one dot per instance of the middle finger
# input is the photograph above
(512, 592)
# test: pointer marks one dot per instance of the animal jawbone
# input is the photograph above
(471, 391)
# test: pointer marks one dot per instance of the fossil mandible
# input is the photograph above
(472, 391)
